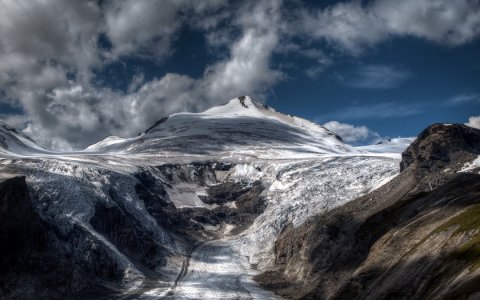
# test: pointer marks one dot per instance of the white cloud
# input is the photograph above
(247, 69)
(441, 21)
(377, 110)
(351, 134)
(474, 122)
(346, 24)
(462, 99)
(375, 77)
(355, 26)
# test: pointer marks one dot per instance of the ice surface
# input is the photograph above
(301, 189)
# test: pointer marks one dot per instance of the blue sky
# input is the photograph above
(74, 72)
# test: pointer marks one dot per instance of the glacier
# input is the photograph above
(303, 169)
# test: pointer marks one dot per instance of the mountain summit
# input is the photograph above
(241, 125)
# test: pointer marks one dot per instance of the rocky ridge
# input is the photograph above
(415, 237)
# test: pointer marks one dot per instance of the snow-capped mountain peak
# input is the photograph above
(246, 106)
(243, 105)
(241, 125)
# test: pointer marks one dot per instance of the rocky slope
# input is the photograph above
(416, 237)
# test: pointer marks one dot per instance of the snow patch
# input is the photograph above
(186, 194)
(396, 145)
(471, 165)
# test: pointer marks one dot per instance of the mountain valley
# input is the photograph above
(241, 202)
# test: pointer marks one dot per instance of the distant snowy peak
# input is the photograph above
(395, 145)
(13, 142)
(241, 125)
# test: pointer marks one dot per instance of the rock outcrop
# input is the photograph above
(416, 237)
(39, 261)
(36, 261)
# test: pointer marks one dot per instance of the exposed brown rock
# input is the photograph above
(416, 237)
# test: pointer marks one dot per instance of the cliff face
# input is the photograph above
(38, 262)
(21, 230)
(417, 237)
(441, 145)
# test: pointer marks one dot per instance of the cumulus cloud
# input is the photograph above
(375, 77)
(474, 122)
(47, 62)
(350, 133)
(248, 67)
(347, 24)
(50, 51)
(356, 25)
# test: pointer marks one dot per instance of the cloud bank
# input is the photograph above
(354, 26)
(51, 51)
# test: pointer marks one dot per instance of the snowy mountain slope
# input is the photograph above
(242, 126)
(238, 173)
(13, 142)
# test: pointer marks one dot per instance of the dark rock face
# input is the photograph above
(416, 237)
(127, 235)
(242, 101)
(440, 145)
(221, 193)
(152, 128)
(37, 261)
(248, 205)
(21, 229)
(224, 192)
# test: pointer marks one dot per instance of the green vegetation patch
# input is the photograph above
(469, 220)
(466, 221)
